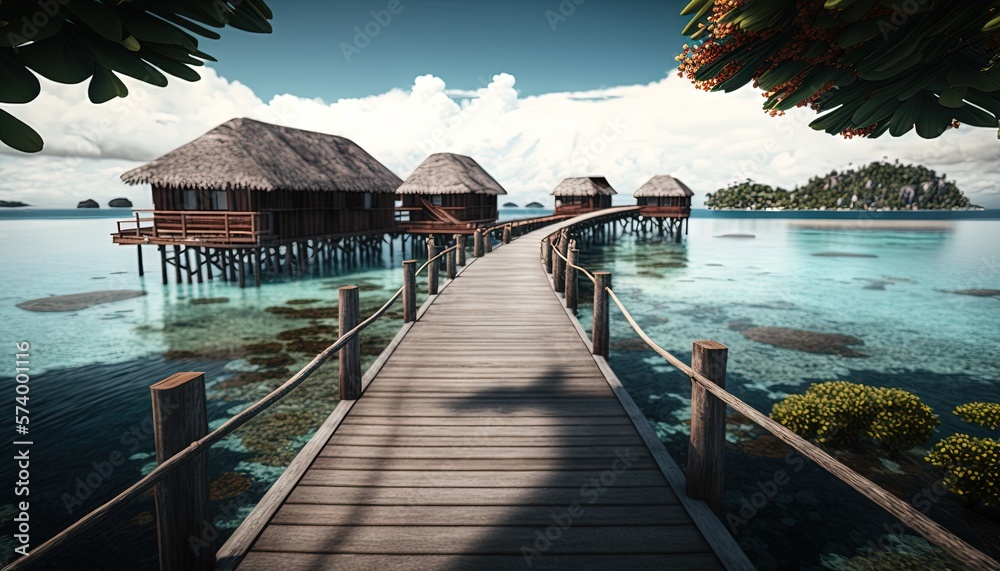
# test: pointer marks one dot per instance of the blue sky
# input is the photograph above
(534, 90)
(549, 45)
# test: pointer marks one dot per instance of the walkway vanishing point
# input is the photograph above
(489, 438)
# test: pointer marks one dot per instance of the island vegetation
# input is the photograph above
(12, 204)
(877, 186)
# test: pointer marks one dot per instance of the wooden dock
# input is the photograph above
(489, 437)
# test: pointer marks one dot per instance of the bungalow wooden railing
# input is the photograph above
(182, 396)
(235, 227)
(709, 398)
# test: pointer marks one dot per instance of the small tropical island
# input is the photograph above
(877, 186)
(534, 205)
(12, 204)
(510, 205)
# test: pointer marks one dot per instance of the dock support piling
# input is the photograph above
(450, 265)
(559, 269)
(241, 268)
(432, 267)
(571, 287)
(138, 251)
(477, 244)
(177, 264)
(547, 255)
(460, 252)
(488, 242)
(601, 335)
(163, 262)
(409, 291)
(706, 451)
(350, 353)
(256, 267)
(182, 498)
(506, 234)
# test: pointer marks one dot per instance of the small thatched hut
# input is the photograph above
(448, 194)
(248, 182)
(663, 196)
(577, 195)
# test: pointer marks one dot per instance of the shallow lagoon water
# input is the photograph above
(886, 283)
(92, 368)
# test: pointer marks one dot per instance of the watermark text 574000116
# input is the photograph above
(22, 447)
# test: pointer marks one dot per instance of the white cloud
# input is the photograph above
(529, 144)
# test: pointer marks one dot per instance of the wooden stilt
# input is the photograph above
(187, 264)
(177, 264)
(256, 267)
(138, 252)
(163, 262)
(208, 262)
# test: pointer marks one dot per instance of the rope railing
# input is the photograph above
(907, 514)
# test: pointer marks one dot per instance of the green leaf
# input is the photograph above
(117, 58)
(105, 85)
(61, 59)
(18, 135)
(17, 84)
(97, 17)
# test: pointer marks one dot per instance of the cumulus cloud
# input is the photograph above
(626, 133)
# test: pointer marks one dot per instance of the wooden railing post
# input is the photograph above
(350, 353)
(547, 255)
(571, 287)
(449, 265)
(559, 271)
(488, 242)
(432, 267)
(409, 291)
(600, 336)
(460, 252)
(706, 451)
(506, 234)
(182, 498)
(477, 244)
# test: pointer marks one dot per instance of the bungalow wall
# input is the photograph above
(291, 214)
(580, 204)
(464, 207)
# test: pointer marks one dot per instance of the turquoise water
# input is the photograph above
(766, 273)
(92, 368)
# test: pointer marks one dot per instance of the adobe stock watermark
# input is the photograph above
(901, 13)
(612, 130)
(563, 11)
(366, 33)
(48, 10)
(590, 492)
(210, 529)
(103, 468)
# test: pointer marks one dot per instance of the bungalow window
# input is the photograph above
(369, 201)
(190, 200)
(437, 200)
(220, 200)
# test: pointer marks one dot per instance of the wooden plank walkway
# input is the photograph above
(489, 439)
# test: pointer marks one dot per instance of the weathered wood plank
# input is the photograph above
(555, 433)
(471, 452)
(617, 472)
(269, 561)
(402, 438)
(434, 540)
(312, 514)
(562, 497)
(644, 462)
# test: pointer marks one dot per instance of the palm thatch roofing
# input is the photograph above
(448, 173)
(248, 154)
(584, 186)
(663, 185)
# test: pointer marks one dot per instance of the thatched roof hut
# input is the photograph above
(663, 185)
(576, 195)
(251, 182)
(449, 193)
(252, 155)
(584, 186)
(448, 173)
(663, 196)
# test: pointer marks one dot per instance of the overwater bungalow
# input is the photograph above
(664, 198)
(267, 196)
(578, 195)
(448, 194)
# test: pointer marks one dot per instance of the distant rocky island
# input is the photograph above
(509, 205)
(12, 204)
(89, 203)
(533, 205)
(878, 186)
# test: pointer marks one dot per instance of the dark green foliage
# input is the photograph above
(878, 186)
(71, 41)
